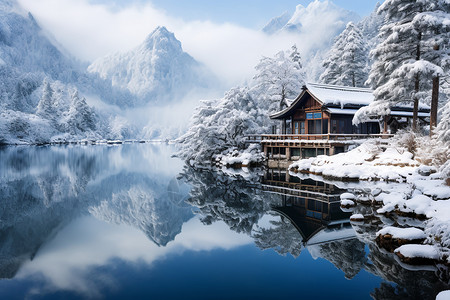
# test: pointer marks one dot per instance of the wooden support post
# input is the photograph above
(331, 150)
(385, 126)
(288, 153)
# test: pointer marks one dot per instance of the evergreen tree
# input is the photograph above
(278, 79)
(80, 117)
(45, 107)
(406, 60)
(347, 59)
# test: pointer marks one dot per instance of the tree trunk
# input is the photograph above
(434, 104)
(283, 98)
(416, 86)
(416, 106)
(434, 100)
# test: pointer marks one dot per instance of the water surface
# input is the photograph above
(131, 221)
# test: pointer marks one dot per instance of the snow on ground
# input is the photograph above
(248, 157)
(390, 176)
(370, 161)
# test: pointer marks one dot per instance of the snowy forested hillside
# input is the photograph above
(156, 71)
(39, 83)
(46, 95)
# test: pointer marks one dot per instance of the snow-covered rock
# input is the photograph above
(403, 233)
(422, 251)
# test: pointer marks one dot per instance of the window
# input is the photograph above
(325, 126)
(296, 128)
(341, 128)
(333, 126)
(302, 127)
(317, 126)
(295, 151)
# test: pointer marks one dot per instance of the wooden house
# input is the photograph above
(319, 121)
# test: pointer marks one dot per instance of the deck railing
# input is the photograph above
(254, 138)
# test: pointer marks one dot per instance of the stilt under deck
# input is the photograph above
(282, 149)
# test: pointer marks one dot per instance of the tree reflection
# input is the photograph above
(281, 236)
(42, 189)
(238, 202)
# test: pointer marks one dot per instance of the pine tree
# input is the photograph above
(279, 79)
(406, 60)
(347, 59)
(80, 117)
(45, 107)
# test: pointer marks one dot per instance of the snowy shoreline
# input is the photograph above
(86, 142)
(409, 189)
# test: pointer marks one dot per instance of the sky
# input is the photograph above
(249, 13)
(223, 35)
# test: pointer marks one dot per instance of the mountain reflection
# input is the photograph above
(45, 188)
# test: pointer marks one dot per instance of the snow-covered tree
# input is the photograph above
(45, 107)
(297, 58)
(414, 50)
(279, 78)
(347, 60)
(220, 125)
(442, 130)
(81, 117)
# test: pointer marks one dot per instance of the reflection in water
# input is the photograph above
(98, 204)
(45, 188)
(306, 214)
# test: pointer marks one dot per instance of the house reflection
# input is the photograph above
(312, 206)
(313, 209)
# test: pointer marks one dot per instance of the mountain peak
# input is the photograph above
(277, 23)
(161, 38)
(154, 68)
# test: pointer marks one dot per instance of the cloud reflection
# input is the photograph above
(67, 261)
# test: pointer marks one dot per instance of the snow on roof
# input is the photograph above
(345, 97)
(340, 95)
(340, 111)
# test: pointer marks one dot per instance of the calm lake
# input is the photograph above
(130, 221)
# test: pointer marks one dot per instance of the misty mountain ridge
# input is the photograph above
(305, 19)
(46, 95)
(157, 71)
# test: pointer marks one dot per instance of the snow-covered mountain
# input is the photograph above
(277, 23)
(156, 71)
(42, 88)
(47, 95)
(305, 19)
(313, 28)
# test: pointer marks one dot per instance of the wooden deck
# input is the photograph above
(297, 138)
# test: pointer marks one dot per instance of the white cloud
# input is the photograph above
(91, 30)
